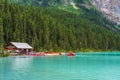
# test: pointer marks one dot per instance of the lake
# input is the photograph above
(84, 66)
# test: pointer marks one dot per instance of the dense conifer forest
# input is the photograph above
(56, 30)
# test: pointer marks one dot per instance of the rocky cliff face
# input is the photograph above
(111, 8)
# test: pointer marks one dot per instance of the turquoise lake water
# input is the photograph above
(100, 66)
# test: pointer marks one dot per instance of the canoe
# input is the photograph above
(70, 54)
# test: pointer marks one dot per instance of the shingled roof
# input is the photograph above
(21, 45)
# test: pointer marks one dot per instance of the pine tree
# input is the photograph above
(1, 25)
(1, 33)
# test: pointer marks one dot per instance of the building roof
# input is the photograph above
(21, 45)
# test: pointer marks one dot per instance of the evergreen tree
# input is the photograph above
(53, 29)
(1, 33)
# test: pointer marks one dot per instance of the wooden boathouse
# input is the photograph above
(18, 47)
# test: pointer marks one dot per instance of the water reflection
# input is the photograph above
(0, 60)
(21, 62)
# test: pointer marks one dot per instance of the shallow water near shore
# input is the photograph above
(93, 66)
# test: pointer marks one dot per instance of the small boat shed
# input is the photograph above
(18, 47)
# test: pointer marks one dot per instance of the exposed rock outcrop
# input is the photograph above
(111, 8)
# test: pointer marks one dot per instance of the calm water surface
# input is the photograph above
(80, 67)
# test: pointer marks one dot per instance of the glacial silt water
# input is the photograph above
(102, 66)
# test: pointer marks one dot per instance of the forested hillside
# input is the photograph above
(84, 8)
(53, 29)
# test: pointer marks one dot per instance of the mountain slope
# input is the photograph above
(110, 8)
(49, 2)
(54, 29)
(80, 7)
(61, 4)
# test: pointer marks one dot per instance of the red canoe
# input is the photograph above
(70, 54)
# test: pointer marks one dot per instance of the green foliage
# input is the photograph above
(85, 10)
(53, 29)
(6, 54)
(1, 34)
